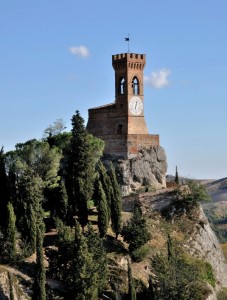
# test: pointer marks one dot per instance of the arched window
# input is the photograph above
(135, 86)
(119, 129)
(122, 86)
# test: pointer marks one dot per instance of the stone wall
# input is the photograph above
(151, 200)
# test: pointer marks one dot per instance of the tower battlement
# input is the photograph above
(128, 60)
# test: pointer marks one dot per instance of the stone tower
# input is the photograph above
(121, 124)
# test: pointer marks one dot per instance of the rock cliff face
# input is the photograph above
(199, 239)
(148, 169)
(203, 243)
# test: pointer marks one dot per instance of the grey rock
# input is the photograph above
(204, 244)
(148, 168)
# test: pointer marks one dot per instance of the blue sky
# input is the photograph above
(56, 57)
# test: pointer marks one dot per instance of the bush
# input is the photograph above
(204, 269)
(135, 232)
(197, 193)
(139, 254)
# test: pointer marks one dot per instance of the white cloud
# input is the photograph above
(158, 79)
(79, 51)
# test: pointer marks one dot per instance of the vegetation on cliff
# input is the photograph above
(65, 206)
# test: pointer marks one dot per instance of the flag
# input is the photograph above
(127, 39)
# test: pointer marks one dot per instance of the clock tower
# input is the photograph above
(121, 124)
(129, 90)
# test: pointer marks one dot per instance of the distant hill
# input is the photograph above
(217, 189)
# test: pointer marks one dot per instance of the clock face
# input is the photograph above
(135, 106)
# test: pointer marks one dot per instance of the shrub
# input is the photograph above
(139, 254)
(197, 193)
(135, 232)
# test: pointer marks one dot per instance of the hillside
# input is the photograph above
(189, 230)
(217, 189)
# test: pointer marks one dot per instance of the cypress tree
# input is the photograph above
(151, 290)
(176, 177)
(102, 211)
(96, 248)
(39, 289)
(116, 204)
(30, 208)
(84, 279)
(11, 294)
(131, 287)
(81, 169)
(32, 232)
(107, 186)
(135, 232)
(170, 249)
(4, 191)
(11, 233)
(60, 202)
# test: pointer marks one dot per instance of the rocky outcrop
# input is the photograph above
(199, 239)
(147, 169)
(204, 244)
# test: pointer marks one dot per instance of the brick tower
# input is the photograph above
(121, 124)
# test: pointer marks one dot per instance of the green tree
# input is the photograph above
(192, 196)
(85, 280)
(103, 216)
(107, 186)
(135, 232)
(61, 261)
(39, 289)
(4, 191)
(11, 233)
(31, 230)
(41, 159)
(131, 287)
(116, 202)
(58, 201)
(29, 208)
(81, 169)
(10, 278)
(151, 290)
(170, 249)
(33, 169)
(176, 177)
(177, 277)
(96, 248)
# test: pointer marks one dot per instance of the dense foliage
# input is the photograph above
(179, 277)
(60, 183)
